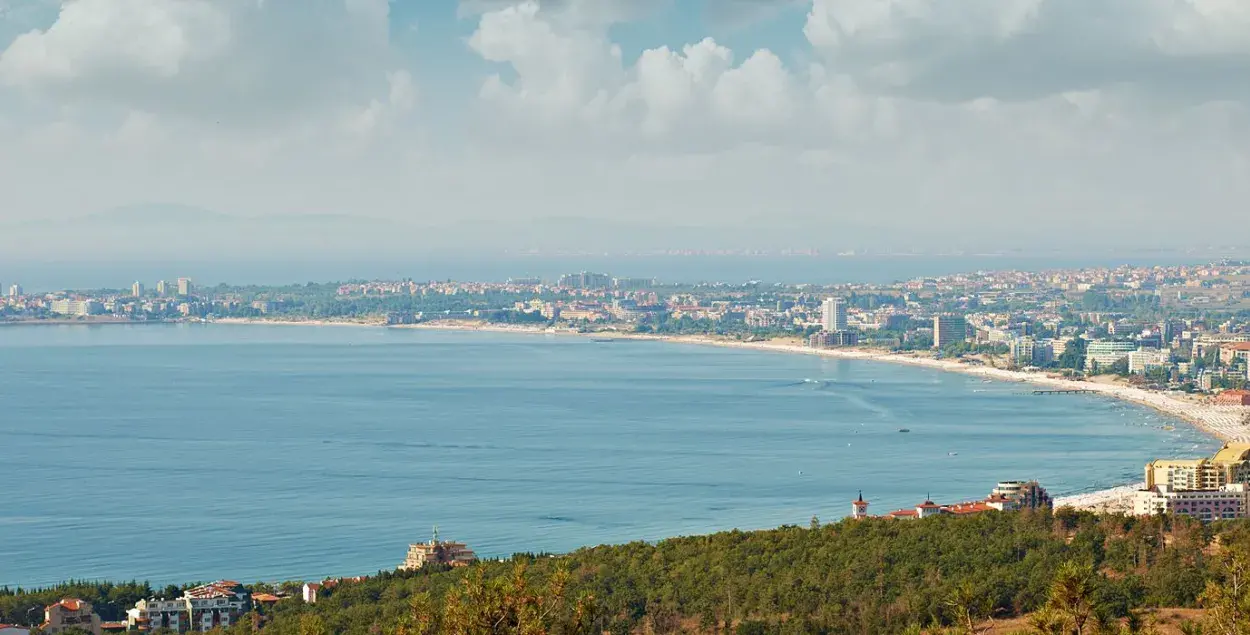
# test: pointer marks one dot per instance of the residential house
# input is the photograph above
(70, 613)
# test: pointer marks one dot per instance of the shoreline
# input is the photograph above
(1223, 423)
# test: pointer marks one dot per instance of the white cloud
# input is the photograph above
(233, 62)
(566, 75)
(1024, 49)
(107, 38)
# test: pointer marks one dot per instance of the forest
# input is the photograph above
(1069, 572)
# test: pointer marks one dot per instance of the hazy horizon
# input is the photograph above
(151, 130)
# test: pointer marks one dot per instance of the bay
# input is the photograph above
(185, 452)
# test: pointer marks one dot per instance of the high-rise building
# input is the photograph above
(136, 289)
(585, 280)
(833, 314)
(15, 291)
(162, 288)
(184, 286)
(948, 329)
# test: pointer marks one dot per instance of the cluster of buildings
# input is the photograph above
(199, 609)
(1006, 496)
(1207, 489)
(168, 298)
(216, 605)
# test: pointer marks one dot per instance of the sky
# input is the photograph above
(368, 126)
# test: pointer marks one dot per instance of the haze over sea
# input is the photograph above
(37, 276)
(190, 452)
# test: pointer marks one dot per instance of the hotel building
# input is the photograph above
(456, 554)
(1225, 503)
(1141, 361)
(1229, 465)
(76, 307)
(1102, 354)
(948, 329)
(1206, 489)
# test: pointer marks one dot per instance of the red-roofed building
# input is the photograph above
(311, 589)
(1008, 496)
(70, 613)
(1234, 351)
(1233, 398)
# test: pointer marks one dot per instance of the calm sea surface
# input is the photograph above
(191, 452)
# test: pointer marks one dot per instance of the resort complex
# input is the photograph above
(1207, 489)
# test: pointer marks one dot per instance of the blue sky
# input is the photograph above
(826, 123)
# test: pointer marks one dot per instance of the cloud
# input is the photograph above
(1024, 49)
(574, 80)
(578, 13)
(1024, 121)
(244, 62)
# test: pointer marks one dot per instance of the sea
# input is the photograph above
(191, 452)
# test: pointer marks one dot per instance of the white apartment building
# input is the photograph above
(201, 609)
(158, 613)
(833, 314)
(1142, 360)
(1102, 353)
(76, 307)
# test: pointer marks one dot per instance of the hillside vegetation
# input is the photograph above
(1065, 572)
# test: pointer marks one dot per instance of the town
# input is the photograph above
(1169, 328)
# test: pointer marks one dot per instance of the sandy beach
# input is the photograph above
(1221, 422)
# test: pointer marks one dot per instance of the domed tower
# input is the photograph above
(859, 508)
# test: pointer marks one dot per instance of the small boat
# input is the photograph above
(904, 430)
(952, 454)
(1169, 427)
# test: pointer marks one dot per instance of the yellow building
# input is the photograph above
(1230, 465)
(456, 554)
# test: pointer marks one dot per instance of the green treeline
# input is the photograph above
(874, 576)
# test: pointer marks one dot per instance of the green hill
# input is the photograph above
(873, 576)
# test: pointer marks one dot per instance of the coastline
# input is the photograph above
(1220, 422)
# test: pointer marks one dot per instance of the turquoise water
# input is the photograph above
(194, 452)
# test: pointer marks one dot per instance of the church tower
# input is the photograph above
(859, 508)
